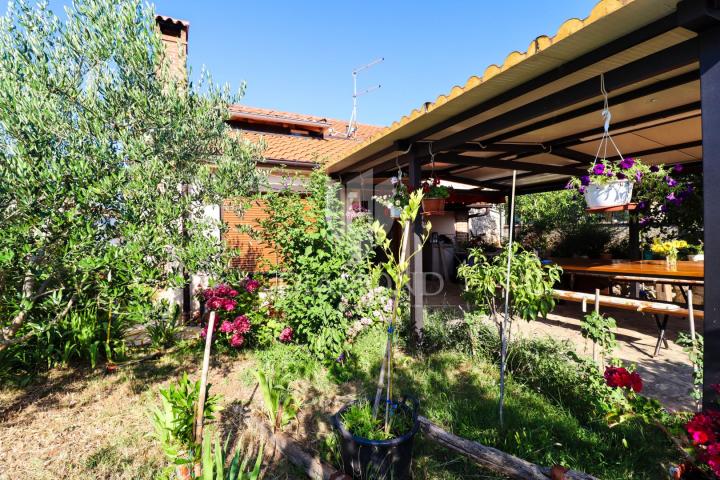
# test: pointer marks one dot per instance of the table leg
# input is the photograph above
(662, 325)
(684, 292)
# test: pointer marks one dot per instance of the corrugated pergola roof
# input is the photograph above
(540, 111)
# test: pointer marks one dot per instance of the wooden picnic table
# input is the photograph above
(693, 272)
(687, 275)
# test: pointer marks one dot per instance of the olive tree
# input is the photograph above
(106, 164)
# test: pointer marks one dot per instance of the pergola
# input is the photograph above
(539, 114)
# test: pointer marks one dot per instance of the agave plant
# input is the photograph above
(280, 405)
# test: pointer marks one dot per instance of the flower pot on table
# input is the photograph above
(613, 194)
(431, 205)
(378, 459)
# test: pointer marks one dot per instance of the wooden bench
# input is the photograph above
(661, 311)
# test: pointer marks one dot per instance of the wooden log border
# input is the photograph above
(497, 460)
(486, 457)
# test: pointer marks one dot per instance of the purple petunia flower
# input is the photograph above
(671, 181)
(599, 169)
(642, 205)
(627, 163)
(663, 208)
(638, 176)
(644, 221)
(671, 196)
(677, 168)
(585, 180)
(654, 169)
(581, 189)
(621, 176)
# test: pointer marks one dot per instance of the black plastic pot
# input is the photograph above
(378, 459)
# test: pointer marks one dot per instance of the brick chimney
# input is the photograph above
(174, 34)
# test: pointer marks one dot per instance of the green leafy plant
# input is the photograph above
(359, 419)
(396, 269)
(99, 140)
(599, 329)
(164, 325)
(280, 405)
(174, 418)
(324, 262)
(213, 462)
(530, 292)
(695, 350)
(433, 189)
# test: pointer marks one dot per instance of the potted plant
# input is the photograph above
(398, 199)
(670, 250)
(611, 184)
(698, 255)
(376, 438)
(434, 195)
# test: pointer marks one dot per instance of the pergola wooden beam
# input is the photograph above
(675, 57)
(506, 164)
(500, 147)
(626, 125)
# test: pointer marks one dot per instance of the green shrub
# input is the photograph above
(584, 239)
(96, 137)
(163, 326)
(294, 361)
(599, 329)
(325, 264)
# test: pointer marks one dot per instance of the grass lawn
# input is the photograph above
(79, 424)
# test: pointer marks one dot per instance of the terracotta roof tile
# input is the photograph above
(305, 148)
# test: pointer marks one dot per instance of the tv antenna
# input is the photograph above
(352, 125)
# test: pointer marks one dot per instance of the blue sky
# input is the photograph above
(298, 55)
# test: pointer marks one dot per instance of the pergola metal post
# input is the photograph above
(710, 99)
(417, 275)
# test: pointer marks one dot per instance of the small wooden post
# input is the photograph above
(691, 316)
(597, 311)
(203, 381)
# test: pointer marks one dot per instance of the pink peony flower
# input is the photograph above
(233, 293)
(241, 324)
(237, 340)
(227, 327)
(252, 285)
(214, 303)
(203, 332)
(229, 305)
(286, 335)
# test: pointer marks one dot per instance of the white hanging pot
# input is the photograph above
(613, 194)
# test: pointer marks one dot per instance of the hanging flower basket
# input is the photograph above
(435, 196)
(612, 194)
(433, 205)
(398, 198)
